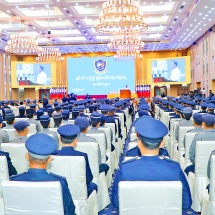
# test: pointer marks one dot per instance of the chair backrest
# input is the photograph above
(131, 145)
(117, 129)
(101, 140)
(172, 121)
(166, 118)
(188, 141)
(212, 180)
(4, 175)
(11, 133)
(133, 136)
(91, 149)
(182, 131)
(17, 153)
(32, 129)
(107, 132)
(203, 151)
(44, 198)
(21, 119)
(121, 119)
(112, 127)
(28, 135)
(74, 169)
(135, 197)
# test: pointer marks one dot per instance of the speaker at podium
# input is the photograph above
(125, 93)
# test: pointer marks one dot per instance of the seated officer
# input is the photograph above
(151, 167)
(204, 106)
(45, 122)
(4, 138)
(40, 147)
(10, 120)
(22, 131)
(68, 136)
(207, 135)
(211, 108)
(65, 116)
(21, 112)
(83, 123)
(30, 114)
(186, 114)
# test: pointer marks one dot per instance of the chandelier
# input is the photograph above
(22, 44)
(127, 38)
(127, 54)
(120, 15)
(50, 54)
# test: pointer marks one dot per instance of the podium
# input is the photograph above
(125, 93)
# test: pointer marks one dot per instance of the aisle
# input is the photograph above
(109, 210)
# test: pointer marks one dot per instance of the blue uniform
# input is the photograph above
(69, 151)
(43, 175)
(136, 152)
(11, 168)
(152, 168)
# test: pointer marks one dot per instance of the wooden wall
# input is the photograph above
(61, 72)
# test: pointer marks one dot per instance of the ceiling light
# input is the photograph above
(118, 16)
(49, 55)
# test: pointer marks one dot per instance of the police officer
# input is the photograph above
(83, 123)
(4, 137)
(186, 114)
(45, 122)
(40, 147)
(65, 116)
(211, 108)
(151, 167)
(207, 135)
(30, 114)
(22, 131)
(68, 136)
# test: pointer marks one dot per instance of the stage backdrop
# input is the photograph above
(100, 75)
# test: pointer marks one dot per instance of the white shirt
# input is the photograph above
(176, 74)
(42, 78)
(203, 91)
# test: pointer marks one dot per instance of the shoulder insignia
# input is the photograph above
(130, 160)
(161, 157)
(14, 176)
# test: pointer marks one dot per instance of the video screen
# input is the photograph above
(168, 70)
(99, 75)
(33, 74)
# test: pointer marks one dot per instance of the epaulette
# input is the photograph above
(14, 176)
(58, 176)
(130, 160)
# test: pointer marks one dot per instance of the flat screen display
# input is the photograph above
(38, 74)
(100, 75)
(169, 70)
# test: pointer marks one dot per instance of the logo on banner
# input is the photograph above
(100, 66)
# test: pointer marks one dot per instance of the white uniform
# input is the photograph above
(176, 74)
(42, 78)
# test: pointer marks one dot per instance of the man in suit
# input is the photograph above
(68, 136)
(40, 146)
(151, 167)
(45, 122)
(83, 123)
(22, 131)
(207, 135)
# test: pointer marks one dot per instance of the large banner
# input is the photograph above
(100, 75)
